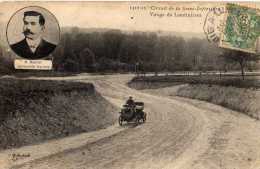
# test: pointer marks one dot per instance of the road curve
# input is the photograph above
(179, 134)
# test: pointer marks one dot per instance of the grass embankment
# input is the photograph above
(245, 100)
(32, 110)
(229, 91)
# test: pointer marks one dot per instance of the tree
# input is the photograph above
(87, 60)
(194, 46)
(113, 41)
(241, 58)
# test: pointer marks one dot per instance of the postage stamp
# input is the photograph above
(242, 29)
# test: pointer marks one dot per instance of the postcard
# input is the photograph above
(129, 85)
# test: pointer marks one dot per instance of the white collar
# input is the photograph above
(35, 43)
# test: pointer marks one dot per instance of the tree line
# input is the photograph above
(146, 51)
(117, 51)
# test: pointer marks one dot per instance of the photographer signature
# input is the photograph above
(17, 156)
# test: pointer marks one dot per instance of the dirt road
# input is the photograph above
(179, 134)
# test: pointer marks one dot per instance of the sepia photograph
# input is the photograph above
(129, 85)
(33, 44)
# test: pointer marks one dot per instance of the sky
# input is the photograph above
(146, 16)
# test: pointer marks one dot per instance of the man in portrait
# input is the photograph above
(33, 46)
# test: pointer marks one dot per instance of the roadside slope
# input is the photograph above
(242, 99)
(33, 111)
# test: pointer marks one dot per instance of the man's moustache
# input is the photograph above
(27, 32)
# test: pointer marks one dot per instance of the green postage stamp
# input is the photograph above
(242, 29)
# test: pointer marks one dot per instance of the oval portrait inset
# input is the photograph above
(33, 32)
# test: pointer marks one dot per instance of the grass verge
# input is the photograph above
(245, 100)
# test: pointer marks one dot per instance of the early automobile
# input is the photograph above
(133, 113)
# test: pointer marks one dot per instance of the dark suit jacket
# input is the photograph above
(22, 49)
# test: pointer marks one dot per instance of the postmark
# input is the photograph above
(214, 24)
(242, 29)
